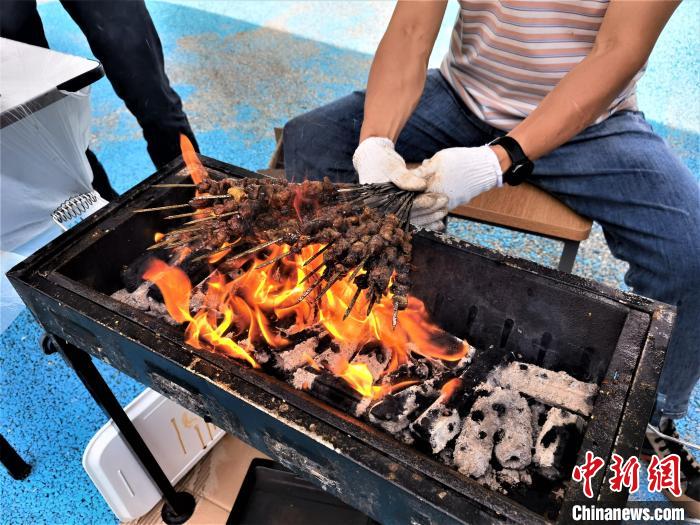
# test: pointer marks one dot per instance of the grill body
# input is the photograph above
(500, 304)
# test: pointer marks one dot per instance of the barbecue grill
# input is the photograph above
(501, 305)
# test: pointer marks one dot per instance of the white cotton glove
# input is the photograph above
(462, 173)
(429, 211)
(376, 161)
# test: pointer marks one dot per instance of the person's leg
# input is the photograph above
(123, 38)
(625, 177)
(321, 143)
(20, 21)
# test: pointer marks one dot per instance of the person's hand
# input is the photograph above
(461, 173)
(376, 161)
(429, 211)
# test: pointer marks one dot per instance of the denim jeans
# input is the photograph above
(618, 172)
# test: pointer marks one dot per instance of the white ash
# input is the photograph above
(338, 354)
(550, 445)
(140, 300)
(363, 406)
(303, 379)
(474, 445)
(299, 355)
(438, 424)
(557, 389)
(514, 439)
(499, 422)
(498, 480)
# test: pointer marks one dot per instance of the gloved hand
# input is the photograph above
(462, 173)
(376, 161)
(429, 210)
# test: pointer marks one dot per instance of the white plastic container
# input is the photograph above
(177, 438)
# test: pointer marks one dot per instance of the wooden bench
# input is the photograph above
(524, 208)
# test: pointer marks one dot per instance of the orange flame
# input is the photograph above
(449, 388)
(254, 304)
(194, 166)
(158, 236)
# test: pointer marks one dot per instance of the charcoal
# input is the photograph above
(375, 356)
(298, 356)
(141, 300)
(560, 433)
(338, 393)
(395, 412)
(337, 354)
(557, 389)
(437, 425)
(304, 378)
(500, 422)
(419, 370)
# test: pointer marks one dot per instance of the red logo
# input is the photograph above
(665, 474)
(585, 472)
(625, 474)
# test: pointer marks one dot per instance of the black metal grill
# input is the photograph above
(501, 305)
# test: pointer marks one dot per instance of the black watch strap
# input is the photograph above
(521, 166)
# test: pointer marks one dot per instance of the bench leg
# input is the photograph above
(568, 256)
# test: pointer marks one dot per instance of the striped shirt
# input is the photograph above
(506, 55)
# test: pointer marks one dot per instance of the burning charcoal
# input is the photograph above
(419, 369)
(141, 300)
(500, 422)
(338, 353)
(395, 412)
(558, 438)
(335, 391)
(297, 356)
(304, 378)
(375, 356)
(437, 425)
(557, 389)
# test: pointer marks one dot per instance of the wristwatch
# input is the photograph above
(521, 167)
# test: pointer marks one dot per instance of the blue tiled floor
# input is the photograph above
(241, 69)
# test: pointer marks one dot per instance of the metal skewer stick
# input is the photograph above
(313, 257)
(206, 197)
(160, 208)
(169, 185)
(395, 316)
(212, 217)
(312, 272)
(183, 215)
(308, 291)
(330, 283)
(352, 303)
(257, 248)
(292, 251)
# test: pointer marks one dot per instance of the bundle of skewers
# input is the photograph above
(363, 231)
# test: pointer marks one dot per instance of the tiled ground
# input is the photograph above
(242, 68)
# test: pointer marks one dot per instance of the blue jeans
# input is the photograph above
(618, 173)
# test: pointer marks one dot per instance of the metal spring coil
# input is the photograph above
(74, 207)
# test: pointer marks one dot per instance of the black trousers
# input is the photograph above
(123, 38)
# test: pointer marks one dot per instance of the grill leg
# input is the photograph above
(13, 462)
(568, 256)
(179, 506)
